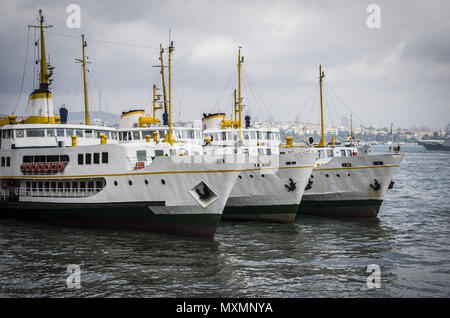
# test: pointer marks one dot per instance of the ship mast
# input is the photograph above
(44, 75)
(351, 127)
(361, 134)
(322, 142)
(162, 78)
(155, 100)
(240, 61)
(169, 137)
(83, 64)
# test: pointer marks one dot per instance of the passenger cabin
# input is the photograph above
(251, 141)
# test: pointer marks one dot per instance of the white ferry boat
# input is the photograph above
(82, 175)
(345, 183)
(270, 190)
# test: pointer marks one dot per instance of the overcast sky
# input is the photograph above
(397, 73)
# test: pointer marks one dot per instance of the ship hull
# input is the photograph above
(431, 146)
(263, 194)
(342, 208)
(164, 197)
(123, 216)
(350, 191)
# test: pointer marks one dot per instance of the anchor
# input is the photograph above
(391, 184)
(206, 192)
(292, 186)
(309, 185)
(377, 185)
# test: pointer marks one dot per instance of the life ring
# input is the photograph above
(355, 153)
(29, 167)
(54, 166)
(34, 167)
(23, 167)
(61, 167)
(46, 167)
(4, 183)
(40, 166)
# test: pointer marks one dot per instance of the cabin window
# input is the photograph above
(88, 158)
(80, 159)
(3, 161)
(260, 151)
(79, 133)
(50, 133)
(321, 154)
(60, 132)
(136, 135)
(330, 153)
(69, 132)
(20, 133)
(343, 153)
(268, 151)
(52, 158)
(113, 135)
(269, 135)
(246, 135)
(159, 153)
(162, 133)
(98, 184)
(27, 159)
(8, 161)
(35, 133)
(96, 158)
(64, 158)
(89, 133)
(104, 157)
(349, 153)
(141, 155)
(197, 135)
(173, 152)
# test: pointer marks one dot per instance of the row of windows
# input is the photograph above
(329, 153)
(89, 158)
(58, 132)
(6, 161)
(67, 185)
(177, 133)
(32, 159)
(247, 135)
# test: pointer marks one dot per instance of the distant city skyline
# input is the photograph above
(398, 73)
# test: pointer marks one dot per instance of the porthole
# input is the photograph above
(262, 175)
(115, 183)
(312, 177)
(130, 182)
(240, 177)
(327, 175)
(163, 181)
(146, 181)
(349, 174)
(251, 176)
(338, 175)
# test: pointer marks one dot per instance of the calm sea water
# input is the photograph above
(315, 257)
